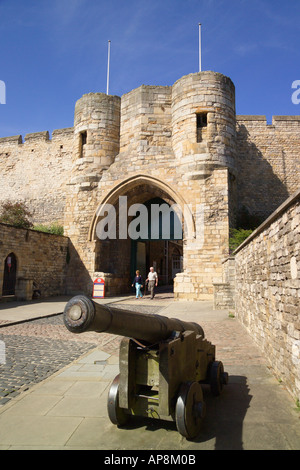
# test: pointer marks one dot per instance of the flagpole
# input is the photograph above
(108, 65)
(200, 65)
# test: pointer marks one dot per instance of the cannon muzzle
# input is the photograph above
(83, 314)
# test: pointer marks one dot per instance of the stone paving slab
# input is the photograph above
(69, 412)
(236, 420)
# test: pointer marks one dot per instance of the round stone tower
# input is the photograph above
(96, 136)
(203, 123)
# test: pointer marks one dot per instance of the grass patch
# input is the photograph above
(54, 229)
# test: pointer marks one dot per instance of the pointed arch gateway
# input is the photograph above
(119, 258)
(140, 180)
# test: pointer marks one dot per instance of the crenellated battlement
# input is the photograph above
(260, 120)
(13, 140)
(37, 137)
(36, 170)
(190, 125)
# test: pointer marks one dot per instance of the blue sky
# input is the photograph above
(54, 51)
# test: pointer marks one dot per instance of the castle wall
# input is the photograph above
(97, 117)
(205, 160)
(37, 172)
(203, 255)
(268, 162)
(146, 124)
(96, 137)
(144, 148)
(212, 95)
(267, 290)
(41, 258)
(182, 143)
(151, 122)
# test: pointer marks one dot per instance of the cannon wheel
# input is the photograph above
(190, 409)
(116, 414)
(217, 378)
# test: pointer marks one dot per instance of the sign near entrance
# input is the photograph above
(99, 288)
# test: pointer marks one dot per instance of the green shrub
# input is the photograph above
(237, 236)
(16, 214)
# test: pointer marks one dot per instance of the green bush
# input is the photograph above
(53, 228)
(237, 236)
(16, 214)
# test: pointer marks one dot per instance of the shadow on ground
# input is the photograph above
(223, 420)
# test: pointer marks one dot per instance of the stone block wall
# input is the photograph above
(37, 172)
(182, 143)
(268, 290)
(146, 122)
(207, 93)
(268, 162)
(41, 258)
(96, 137)
(224, 292)
(154, 122)
(202, 256)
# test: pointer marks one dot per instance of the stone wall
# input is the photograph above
(37, 172)
(153, 164)
(41, 258)
(96, 137)
(268, 162)
(213, 95)
(224, 292)
(181, 143)
(268, 290)
(146, 122)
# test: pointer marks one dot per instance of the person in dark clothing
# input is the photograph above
(138, 284)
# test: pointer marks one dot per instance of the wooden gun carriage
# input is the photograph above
(163, 364)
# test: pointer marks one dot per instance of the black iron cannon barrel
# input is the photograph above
(83, 314)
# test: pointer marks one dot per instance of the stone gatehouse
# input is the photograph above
(180, 144)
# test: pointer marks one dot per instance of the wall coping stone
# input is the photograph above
(14, 138)
(250, 118)
(31, 230)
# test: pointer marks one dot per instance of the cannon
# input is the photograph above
(163, 364)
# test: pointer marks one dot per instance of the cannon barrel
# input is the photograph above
(83, 314)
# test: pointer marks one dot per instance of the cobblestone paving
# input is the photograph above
(36, 349)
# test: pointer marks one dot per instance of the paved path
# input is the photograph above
(68, 409)
(37, 348)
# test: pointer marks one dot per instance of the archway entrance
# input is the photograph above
(10, 275)
(160, 244)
